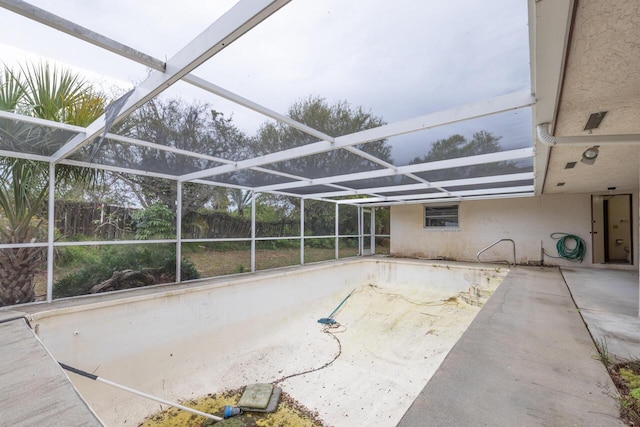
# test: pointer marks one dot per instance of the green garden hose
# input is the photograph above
(573, 251)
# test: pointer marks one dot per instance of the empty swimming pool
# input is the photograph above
(181, 342)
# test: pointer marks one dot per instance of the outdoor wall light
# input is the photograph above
(590, 155)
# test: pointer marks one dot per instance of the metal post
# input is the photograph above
(337, 245)
(373, 231)
(253, 231)
(360, 238)
(179, 232)
(301, 231)
(50, 230)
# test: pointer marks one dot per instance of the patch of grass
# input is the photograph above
(626, 377)
(603, 351)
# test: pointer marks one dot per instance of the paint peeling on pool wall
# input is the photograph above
(390, 335)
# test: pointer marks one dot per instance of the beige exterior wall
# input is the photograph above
(528, 221)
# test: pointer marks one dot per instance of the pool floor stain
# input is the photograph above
(290, 413)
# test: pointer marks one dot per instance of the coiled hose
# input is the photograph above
(574, 252)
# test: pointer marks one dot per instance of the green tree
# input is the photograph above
(51, 93)
(155, 222)
(455, 146)
(334, 120)
(174, 123)
(240, 199)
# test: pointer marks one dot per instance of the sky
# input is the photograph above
(399, 59)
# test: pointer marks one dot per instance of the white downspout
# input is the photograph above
(544, 136)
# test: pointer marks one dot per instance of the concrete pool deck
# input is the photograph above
(608, 303)
(526, 360)
(33, 388)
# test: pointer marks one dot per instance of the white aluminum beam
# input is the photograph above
(40, 122)
(480, 109)
(51, 226)
(167, 148)
(42, 16)
(118, 48)
(432, 201)
(21, 155)
(420, 167)
(449, 183)
(224, 93)
(118, 169)
(238, 20)
(465, 193)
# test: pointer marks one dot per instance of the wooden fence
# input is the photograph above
(111, 222)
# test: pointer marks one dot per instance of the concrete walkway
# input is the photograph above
(608, 302)
(34, 390)
(526, 360)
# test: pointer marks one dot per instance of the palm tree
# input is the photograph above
(50, 93)
(240, 198)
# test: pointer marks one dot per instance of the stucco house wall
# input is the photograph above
(528, 221)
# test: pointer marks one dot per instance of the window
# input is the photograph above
(441, 216)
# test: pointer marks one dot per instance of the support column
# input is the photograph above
(373, 231)
(179, 232)
(253, 231)
(337, 225)
(360, 237)
(51, 230)
(301, 231)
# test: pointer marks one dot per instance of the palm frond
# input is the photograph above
(11, 91)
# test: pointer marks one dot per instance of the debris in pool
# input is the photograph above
(289, 413)
(260, 398)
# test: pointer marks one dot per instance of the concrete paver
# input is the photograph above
(526, 360)
(608, 302)
(34, 391)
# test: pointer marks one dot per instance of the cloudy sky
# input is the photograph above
(399, 59)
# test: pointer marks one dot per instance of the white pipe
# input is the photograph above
(544, 136)
(157, 399)
(582, 140)
(136, 392)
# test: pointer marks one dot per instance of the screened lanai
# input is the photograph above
(453, 127)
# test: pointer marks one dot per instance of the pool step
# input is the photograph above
(476, 295)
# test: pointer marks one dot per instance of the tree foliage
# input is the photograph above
(334, 120)
(456, 146)
(174, 123)
(155, 222)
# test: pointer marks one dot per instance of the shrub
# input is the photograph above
(154, 222)
(155, 261)
(71, 256)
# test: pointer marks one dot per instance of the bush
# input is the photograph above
(154, 222)
(71, 256)
(157, 262)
